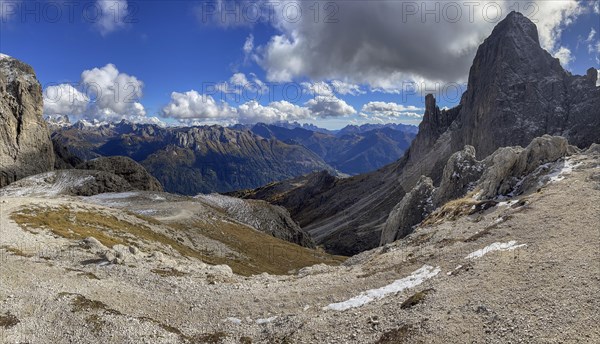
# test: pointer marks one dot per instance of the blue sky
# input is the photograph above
(160, 47)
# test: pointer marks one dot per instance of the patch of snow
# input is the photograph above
(234, 320)
(145, 212)
(497, 246)
(58, 120)
(95, 123)
(416, 278)
(112, 199)
(499, 220)
(507, 203)
(455, 269)
(558, 174)
(266, 321)
(114, 195)
(4, 56)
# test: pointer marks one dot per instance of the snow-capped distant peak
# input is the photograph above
(93, 123)
(58, 120)
(4, 56)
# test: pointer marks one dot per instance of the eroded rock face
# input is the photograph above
(265, 217)
(413, 208)
(25, 146)
(127, 168)
(508, 171)
(461, 173)
(508, 165)
(67, 182)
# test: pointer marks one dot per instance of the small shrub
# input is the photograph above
(415, 299)
(168, 272)
(8, 320)
(395, 336)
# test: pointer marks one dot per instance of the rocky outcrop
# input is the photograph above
(593, 149)
(127, 168)
(63, 158)
(506, 168)
(435, 123)
(461, 173)
(413, 208)
(517, 91)
(25, 146)
(263, 216)
(508, 171)
(67, 182)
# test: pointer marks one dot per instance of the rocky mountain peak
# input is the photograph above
(518, 91)
(516, 25)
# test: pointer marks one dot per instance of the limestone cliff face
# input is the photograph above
(25, 146)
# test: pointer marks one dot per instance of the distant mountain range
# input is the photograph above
(351, 150)
(204, 159)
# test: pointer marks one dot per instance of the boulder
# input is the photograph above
(94, 245)
(121, 254)
(220, 271)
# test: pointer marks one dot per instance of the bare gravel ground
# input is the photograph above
(52, 290)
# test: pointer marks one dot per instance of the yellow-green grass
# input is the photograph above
(261, 252)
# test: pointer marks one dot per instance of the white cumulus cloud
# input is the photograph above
(253, 112)
(249, 44)
(112, 15)
(103, 94)
(383, 109)
(324, 106)
(114, 94)
(64, 99)
(319, 88)
(564, 55)
(239, 83)
(193, 105)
